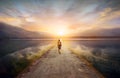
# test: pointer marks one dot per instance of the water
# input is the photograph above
(103, 54)
(14, 53)
(10, 46)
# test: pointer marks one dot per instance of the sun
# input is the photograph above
(61, 33)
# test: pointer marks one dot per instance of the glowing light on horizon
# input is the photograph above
(61, 33)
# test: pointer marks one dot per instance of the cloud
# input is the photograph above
(101, 32)
(76, 15)
(105, 12)
(109, 14)
(11, 21)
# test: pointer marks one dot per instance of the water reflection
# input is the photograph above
(15, 55)
(10, 46)
(103, 54)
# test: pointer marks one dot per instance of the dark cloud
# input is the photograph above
(62, 6)
(102, 32)
(115, 4)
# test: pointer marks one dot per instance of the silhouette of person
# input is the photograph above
(59, 44)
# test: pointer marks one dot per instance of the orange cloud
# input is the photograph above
(11, 21)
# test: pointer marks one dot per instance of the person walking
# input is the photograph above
(59, 44)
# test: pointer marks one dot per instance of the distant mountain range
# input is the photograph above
(12, 32)
(98, 33)
(114, 32)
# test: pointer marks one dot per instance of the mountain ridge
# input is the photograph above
(12, 32)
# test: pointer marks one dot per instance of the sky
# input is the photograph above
(63, 16)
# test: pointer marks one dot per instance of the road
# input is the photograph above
(64, 65)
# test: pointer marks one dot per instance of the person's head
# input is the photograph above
(59, 40)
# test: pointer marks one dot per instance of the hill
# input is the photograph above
(12, 32)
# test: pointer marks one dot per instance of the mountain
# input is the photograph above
(103, 32)
(98, 33)
(12, 32)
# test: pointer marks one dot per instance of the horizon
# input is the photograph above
(60, 38)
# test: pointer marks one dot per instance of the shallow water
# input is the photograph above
(10, 46)
(104, 54)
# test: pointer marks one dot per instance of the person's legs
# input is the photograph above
(59, 51)
(59, 47)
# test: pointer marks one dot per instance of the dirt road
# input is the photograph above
(64, 65)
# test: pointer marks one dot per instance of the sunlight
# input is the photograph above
(61, 33)
(58, 29)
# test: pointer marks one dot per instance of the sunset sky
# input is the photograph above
(62, 16)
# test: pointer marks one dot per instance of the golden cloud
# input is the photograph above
(11, 21)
